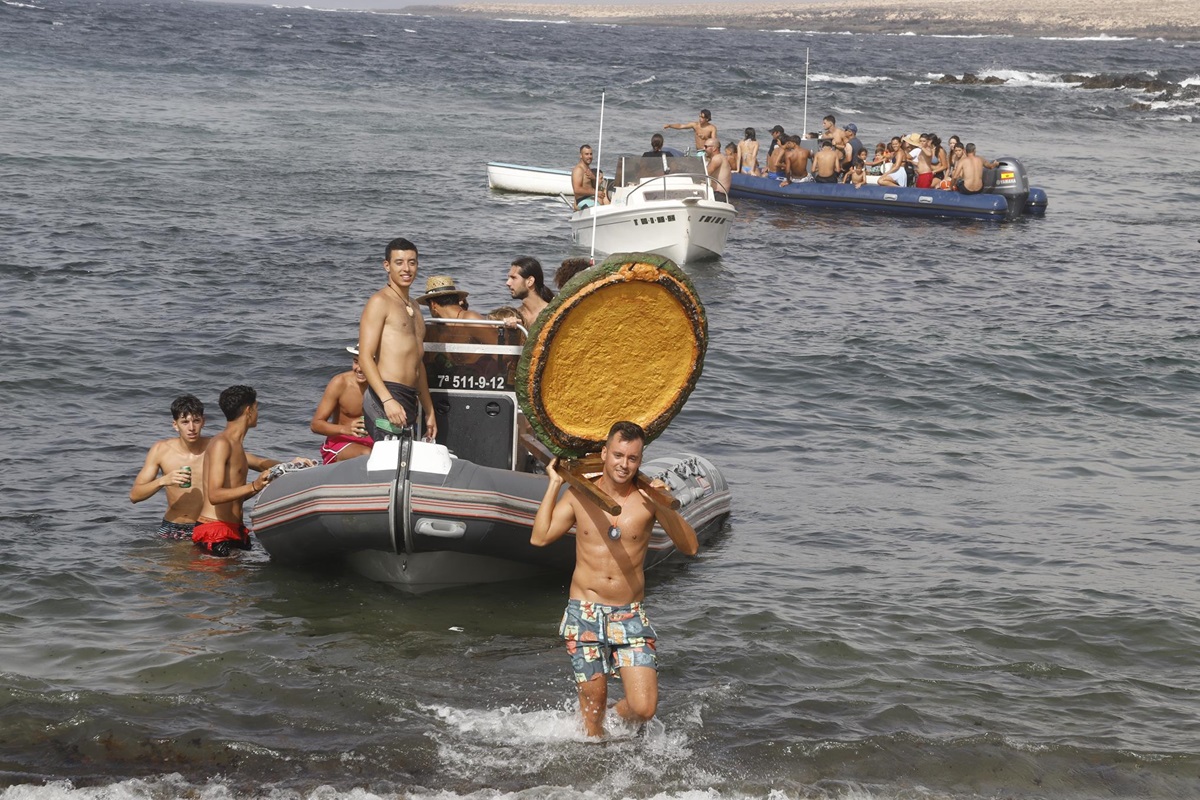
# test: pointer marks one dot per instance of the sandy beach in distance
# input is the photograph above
(1169, 19)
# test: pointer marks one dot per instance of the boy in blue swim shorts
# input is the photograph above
(605, 627)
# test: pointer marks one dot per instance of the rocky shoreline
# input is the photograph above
(1167, 19)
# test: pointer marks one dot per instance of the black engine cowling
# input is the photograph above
(1010, 180)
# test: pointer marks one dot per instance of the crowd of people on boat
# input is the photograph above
(836, 154)
(205, 478)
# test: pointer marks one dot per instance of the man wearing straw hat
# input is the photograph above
(445, 300)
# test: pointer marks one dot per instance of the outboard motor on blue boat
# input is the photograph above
(1010, 181)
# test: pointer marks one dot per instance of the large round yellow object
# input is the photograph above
(624, 340)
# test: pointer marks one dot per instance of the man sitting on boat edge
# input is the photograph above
(584, 181)
(339, 415)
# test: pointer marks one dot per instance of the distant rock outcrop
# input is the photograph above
(970, 79)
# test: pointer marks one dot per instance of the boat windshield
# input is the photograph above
(632, 170)
(481, 355)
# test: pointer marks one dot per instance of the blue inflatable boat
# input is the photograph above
(1006, 196)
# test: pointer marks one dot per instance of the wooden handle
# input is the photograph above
(572, 473)
(656, 495)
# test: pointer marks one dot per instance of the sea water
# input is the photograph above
(963, 553)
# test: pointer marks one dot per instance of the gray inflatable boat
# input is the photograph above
(459, 511)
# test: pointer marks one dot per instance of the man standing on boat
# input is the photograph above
(605, 627)
(391, 338)
(584, 181)
(181, 461)
(702, 128)
(527, 283)
(718, 169)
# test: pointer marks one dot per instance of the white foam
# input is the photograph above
(856, 80)
(535, 21)
(1104, 37)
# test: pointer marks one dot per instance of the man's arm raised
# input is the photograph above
(678, 528)
(553, 518)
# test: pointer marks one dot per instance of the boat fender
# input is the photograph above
(431, 458)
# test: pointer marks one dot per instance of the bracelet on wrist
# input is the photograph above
(389, 400)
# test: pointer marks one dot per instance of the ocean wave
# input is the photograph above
(1104, 37)
(535, 21)
(857, 80)
(15, 4)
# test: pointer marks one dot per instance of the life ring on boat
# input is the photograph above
(623, 340)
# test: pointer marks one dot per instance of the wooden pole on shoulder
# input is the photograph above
(574, 472)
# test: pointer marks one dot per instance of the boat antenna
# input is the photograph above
(599, 155)
(804, 130)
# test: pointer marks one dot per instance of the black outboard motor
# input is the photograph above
(1010, 180)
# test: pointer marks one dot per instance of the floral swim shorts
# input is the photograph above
(602, 639)
(175, 531)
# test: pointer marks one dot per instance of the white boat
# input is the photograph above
(664, 205)
(531, 180)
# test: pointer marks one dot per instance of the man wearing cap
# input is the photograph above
(778, 137)
(445, 300)
(853, 146)
(339, 415)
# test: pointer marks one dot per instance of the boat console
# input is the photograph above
(472, 366)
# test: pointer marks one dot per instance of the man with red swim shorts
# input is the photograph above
(219, 527)
(339, 415)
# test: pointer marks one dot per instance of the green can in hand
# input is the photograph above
(187, 485)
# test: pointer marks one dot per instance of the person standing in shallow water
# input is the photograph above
(605, 627)
(219, 527)
(180, 461)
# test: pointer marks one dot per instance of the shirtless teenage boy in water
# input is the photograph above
(609, 582)
(181, 461)
(391, 340)
(226, 465)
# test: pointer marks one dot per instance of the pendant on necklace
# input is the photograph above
(408, 308)
(614, 532)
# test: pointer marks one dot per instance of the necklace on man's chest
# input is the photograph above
(407, 305)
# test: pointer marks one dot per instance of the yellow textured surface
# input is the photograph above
(624, 351)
